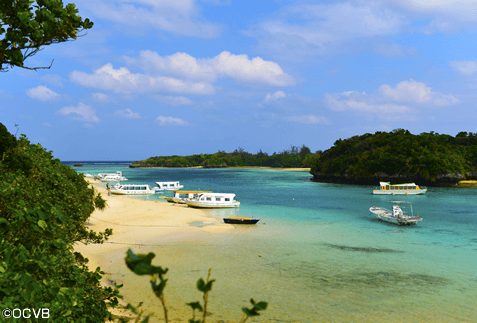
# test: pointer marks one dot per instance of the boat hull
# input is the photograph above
(241, 220)
(399, 192)
(212, 205)
(132, 192)
(386, 215)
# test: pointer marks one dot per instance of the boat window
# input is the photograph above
(208, 198)
(392, 187)
(387, 187)
(218, 199)
(227, 199)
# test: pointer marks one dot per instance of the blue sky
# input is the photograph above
(181, 77)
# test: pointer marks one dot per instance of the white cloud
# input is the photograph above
(42, 93)
(82, 112)
(123, 81)
(385, 102)
(172, 100)
(309, 119)
(310, 29)
(127, 114)
(360, 102)
(464, 67)
(101, 97)
(164, 121)
(417, 92)
(275, 96)
(225, 65)
(180, 17)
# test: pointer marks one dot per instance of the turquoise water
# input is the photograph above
(318, 255)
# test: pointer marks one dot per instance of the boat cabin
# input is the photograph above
(401, 189)
(132, 189)
(216, 197)
(169, 186)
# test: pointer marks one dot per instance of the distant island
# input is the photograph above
(294, 157)
(398, 156)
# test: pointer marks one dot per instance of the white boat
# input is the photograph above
(133, 189)
(106, 177)
(169, 186)
(397, 215)
(214, 200)
(399, 189)
(182, 196)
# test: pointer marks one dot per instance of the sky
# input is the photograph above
(183, 77)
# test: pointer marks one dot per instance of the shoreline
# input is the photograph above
(139, 224)
(236, 167)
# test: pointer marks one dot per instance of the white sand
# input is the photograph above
(137, 222)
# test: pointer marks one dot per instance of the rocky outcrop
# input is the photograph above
(439, 180)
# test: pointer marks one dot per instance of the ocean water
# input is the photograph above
(317, 254)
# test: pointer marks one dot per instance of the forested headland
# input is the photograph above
(44, 206)
(398, 156)
(293, 157)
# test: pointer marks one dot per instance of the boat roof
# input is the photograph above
(399, 202)
(217, 194)
(159, 183)
(389, 183)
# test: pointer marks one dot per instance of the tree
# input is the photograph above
(27, 26)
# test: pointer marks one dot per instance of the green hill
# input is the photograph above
(293, 157)
(398, 156)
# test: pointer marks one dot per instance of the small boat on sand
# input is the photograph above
(240, 220)
(397, 215)
(133, 189)
(385, 188)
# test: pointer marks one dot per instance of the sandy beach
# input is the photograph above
(138, 224)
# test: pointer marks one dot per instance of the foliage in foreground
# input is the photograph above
(426, 156)
(140, 264)
(293, 157)
(26, 26)
(43, 209)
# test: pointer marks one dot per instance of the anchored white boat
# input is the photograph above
(399, 189)
(107, 177)
(214, 200)
(133, 189)
(182, 196)
(169, 186)
(397, 215)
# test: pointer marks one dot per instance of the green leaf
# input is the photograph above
(42, 224)
(196, 306)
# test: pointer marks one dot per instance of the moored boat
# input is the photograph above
(396, 215)
(214, 200)
(108, 177)
(169, 186)
(133, 189)
(182, 196)
(385, 188)
(240, 220)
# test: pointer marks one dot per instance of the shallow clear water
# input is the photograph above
(318, 255)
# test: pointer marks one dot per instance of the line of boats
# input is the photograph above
(208, 199)
(195, 199)
(398, 214)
